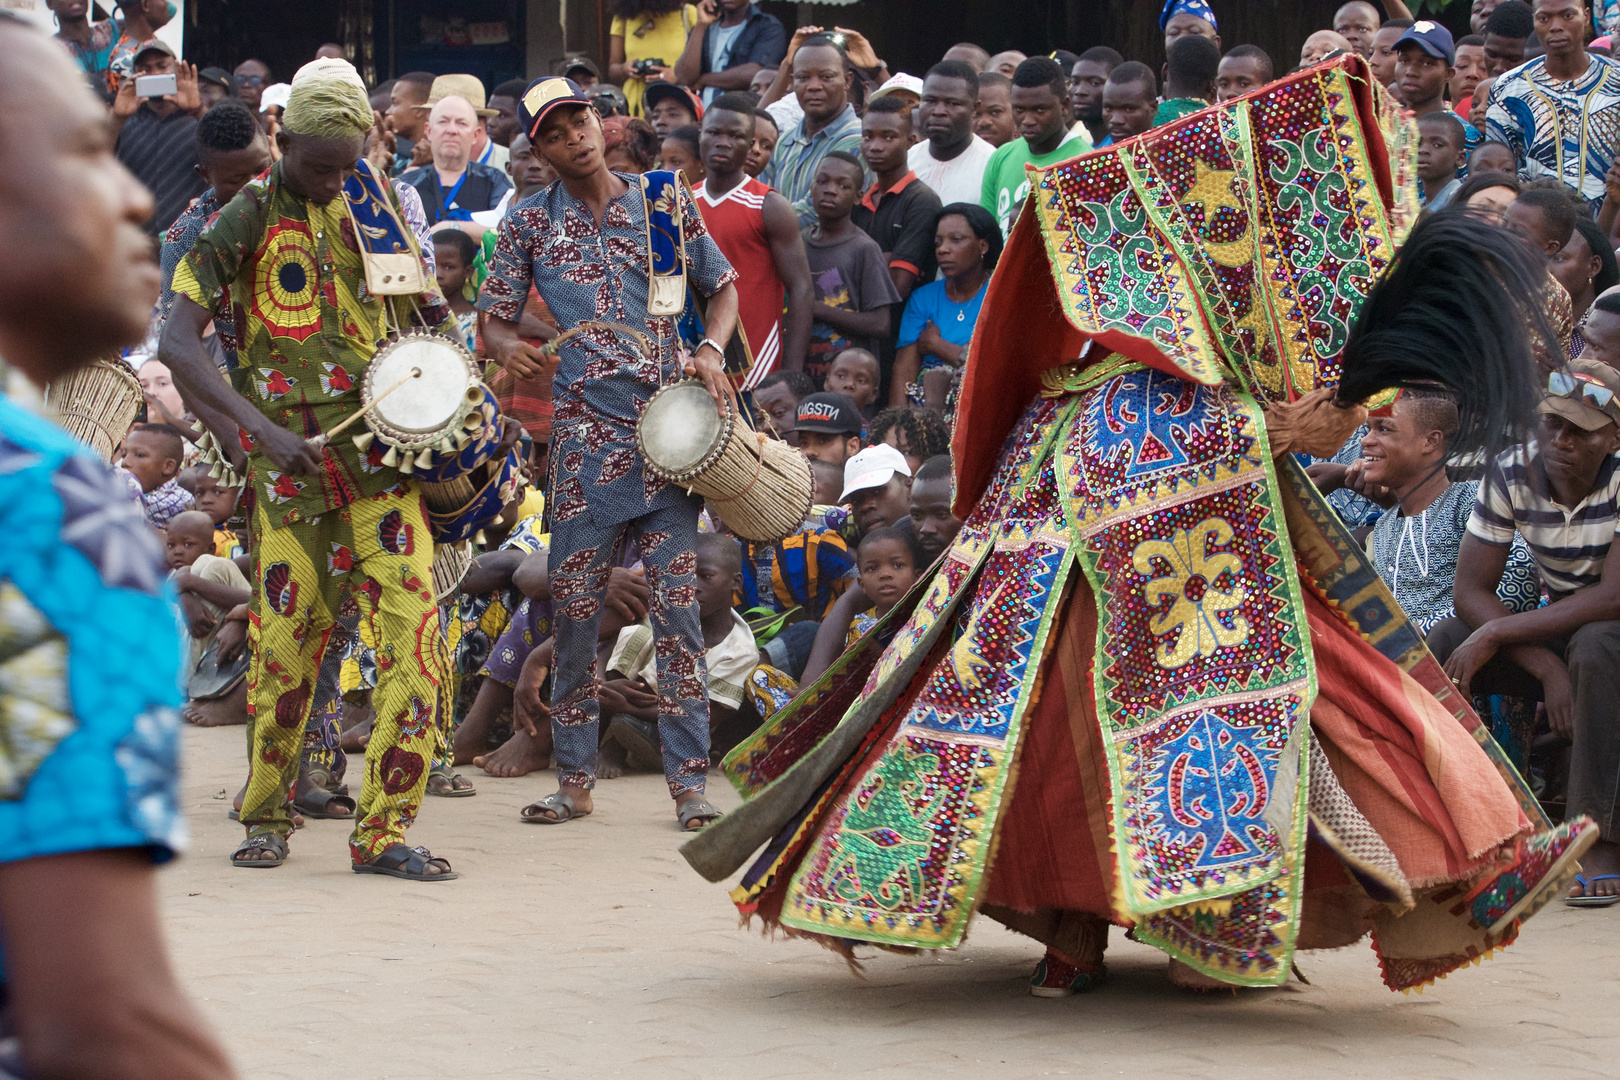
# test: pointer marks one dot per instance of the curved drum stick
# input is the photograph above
(325, 437)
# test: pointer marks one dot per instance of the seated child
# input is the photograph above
(454, 252)
(209, 587)
(1440, 155)
(153, 454)
(887, 563)
(855, 373)
(630, 686)
(219, 503)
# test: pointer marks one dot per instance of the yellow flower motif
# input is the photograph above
(1198, 603)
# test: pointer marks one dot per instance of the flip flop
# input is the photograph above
(699, 810)
(558, 803)
(317, 802)
(446, 786)
(270, 842)
(400, 861)
(1593, 901)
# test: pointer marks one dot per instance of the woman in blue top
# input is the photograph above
(940, 316)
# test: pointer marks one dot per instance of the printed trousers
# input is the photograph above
(582, 555)
(376, 552)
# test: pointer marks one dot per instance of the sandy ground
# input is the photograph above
(592, 950)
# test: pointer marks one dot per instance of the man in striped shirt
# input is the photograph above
(821, 82)
(1562, 494)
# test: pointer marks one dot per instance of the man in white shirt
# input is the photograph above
(952, 161)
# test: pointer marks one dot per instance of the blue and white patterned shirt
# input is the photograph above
(88, 757)
(1416, 556)
(1568, 130)
(585, 271)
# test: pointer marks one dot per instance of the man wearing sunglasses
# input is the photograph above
(1561, 492)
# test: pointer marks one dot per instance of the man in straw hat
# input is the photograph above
(89, 732)
(485, 150)
(330, 525)
(584, 243)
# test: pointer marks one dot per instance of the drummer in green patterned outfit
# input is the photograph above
(325, 521)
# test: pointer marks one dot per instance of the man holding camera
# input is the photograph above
(155, 115)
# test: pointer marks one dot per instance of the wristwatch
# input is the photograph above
(713, 344)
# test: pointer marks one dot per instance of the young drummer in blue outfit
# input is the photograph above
(605, 246)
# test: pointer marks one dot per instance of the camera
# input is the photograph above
(155, 86)
(647, 67)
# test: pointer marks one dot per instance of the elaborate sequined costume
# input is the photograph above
(1154, 682)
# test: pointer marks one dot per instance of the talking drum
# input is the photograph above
(96, 403)
(761, 487)
(422, 399)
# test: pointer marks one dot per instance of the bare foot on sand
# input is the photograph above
(353, 741)
(220, 711)
(520, 755)
(610, 760)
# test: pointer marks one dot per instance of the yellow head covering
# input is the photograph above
(329, 100)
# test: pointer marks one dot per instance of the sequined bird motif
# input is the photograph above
(885, 835)
(1197, 601)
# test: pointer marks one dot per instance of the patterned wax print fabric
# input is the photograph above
(179, 240)
(1566, 130)
(1416, 555)
(94, 55)
(308, 326)
(808, 569)
(484, 615)
(859, 625)
(729, 663)
(89, 734)
(377, 553)
(528, 628)
(584, 271)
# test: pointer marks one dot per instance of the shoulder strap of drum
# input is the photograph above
(666, 243)
(388, 249)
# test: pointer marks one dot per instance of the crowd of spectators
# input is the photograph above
(865, 210)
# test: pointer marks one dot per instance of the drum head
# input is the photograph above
(425, 404)
(680, 427)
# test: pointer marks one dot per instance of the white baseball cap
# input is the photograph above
(872, 467)
(901, 81)
(277, 95)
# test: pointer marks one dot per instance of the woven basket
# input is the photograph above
(97, 403)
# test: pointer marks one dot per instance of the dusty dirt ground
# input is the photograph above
(591, 950)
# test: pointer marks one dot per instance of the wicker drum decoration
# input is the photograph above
(761, 487)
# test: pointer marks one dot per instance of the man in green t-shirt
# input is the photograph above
(1040, 105)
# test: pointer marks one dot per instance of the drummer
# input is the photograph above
(323, 522)
(584, 245)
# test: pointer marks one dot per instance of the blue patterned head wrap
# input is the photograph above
(1200, 8)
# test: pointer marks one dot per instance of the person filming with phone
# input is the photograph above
(732, 42)
(155, 115)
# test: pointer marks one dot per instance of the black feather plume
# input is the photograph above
(1464, 306)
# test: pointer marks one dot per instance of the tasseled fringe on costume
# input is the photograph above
(1459, 309)
(1473, 960)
